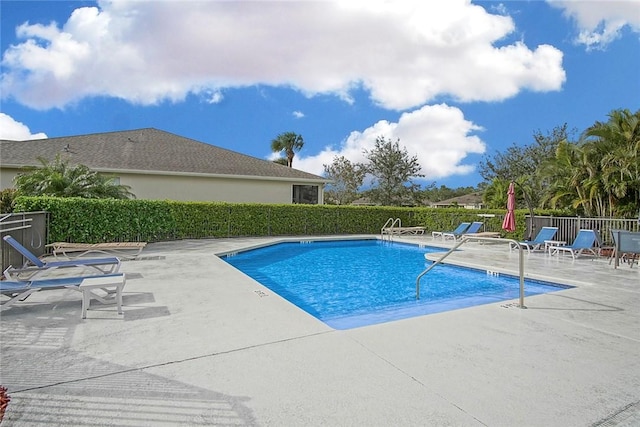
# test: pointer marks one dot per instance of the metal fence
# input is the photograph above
(568, 226)
(28, 228)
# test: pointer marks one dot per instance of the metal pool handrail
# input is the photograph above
(466, 239)
(391, 222)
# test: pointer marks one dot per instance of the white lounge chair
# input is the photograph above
(399, 231)
(127, 250)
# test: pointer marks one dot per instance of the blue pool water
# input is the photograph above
(351, 283)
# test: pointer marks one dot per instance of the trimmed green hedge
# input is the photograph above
(105, 220)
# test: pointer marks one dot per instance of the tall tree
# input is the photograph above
(59, 179)
(495, 195)
(521, 164)
(392, 170)
(289, 143)
(597, 175)
(346, 178)
(617, 143)
(573, 180)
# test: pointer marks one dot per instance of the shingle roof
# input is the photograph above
(464, 200)
(145, 150)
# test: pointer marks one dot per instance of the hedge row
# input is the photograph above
(104, 220)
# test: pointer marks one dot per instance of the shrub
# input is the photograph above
(104, 220)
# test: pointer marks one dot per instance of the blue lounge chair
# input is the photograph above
(35, 266)
(473, 228)
(545, 233)
(584, 241)
(17, 290)
(461, 229)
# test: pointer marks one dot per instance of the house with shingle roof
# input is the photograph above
(467, 201)
(159, 165)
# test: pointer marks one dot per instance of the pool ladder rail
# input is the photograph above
(390, 224)
(466, 239)
(393, 227)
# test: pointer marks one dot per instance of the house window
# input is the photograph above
(305, 194)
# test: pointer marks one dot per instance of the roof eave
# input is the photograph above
(211, 175)
(194, 174)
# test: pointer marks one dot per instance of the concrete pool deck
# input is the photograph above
(201, 344)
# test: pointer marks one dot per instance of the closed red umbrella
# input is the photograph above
(509, 223)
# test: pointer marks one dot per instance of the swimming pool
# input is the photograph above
(352, 283)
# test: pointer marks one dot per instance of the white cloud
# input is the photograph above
(404, 53)
(600, 22)
(298, 114)
(438, 135)
(215, 97)
(15, 131)
(499, 8)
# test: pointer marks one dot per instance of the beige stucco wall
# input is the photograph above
(198, 188)
(208, 189)
(6, 177)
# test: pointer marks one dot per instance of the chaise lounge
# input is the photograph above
(127, 250)
(545, 234)
(34, 266)
(393, 227)
(584, 241)
(17, 291)
(459, 230)
(627, 247)
(473, 229)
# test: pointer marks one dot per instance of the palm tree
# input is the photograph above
(495, 195)
(289, 142)
(58, 179)
(618, 144)
(569, 178)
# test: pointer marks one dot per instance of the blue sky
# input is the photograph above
(454, 81)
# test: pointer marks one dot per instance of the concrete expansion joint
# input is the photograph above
(627, 416)
(168, 363)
